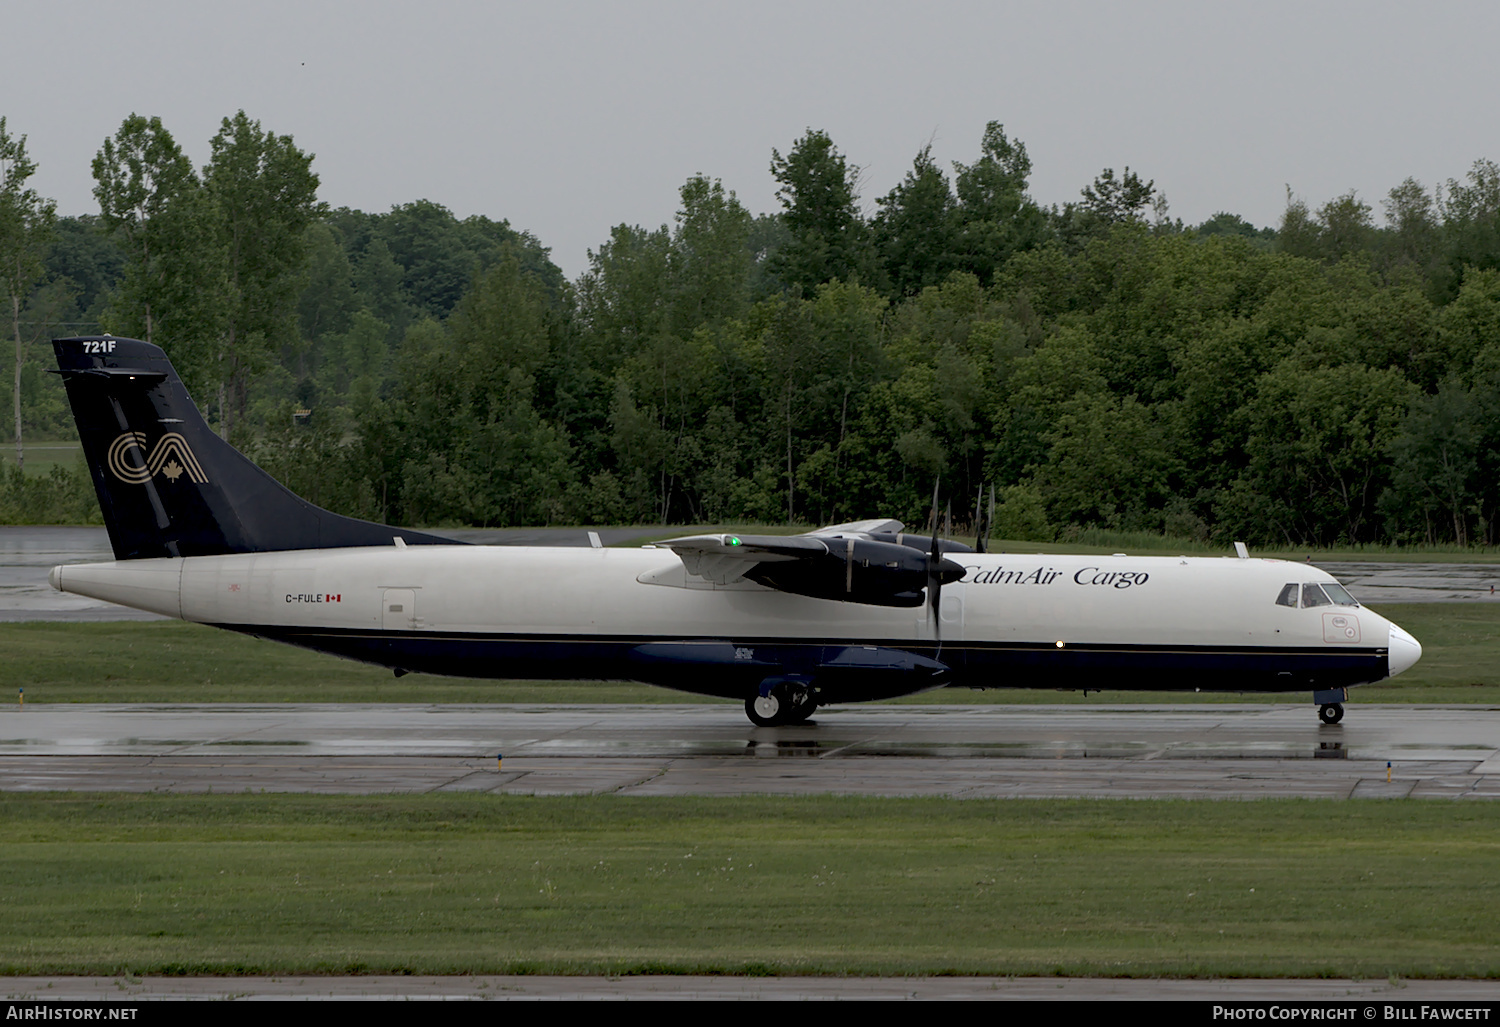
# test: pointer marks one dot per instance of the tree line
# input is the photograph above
(1098, 362)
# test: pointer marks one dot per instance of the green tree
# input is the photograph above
(1436, 465)
(438, 267)
(1471, 223)
(379, 284)
(1107, 204)
(1339, 227)
(1109, 463)
(1347, 226)
(1224, 223)
(89, 262)
(266, 194)
(329, 299)
(26, 228)
(1318, 443)
(1299, 233)
(659, 347)
(819, 194)
(789, 347)
(1066, 366)
(1470, 324)
(1412, 220)
(995, 216)
(172, 292)
(471, 442)
(710, 261)
(913, 230)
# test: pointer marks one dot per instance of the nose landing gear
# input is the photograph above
(1330, 704)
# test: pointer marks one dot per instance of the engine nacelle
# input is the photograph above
(859, 571)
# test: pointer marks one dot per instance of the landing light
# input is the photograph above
(1059, 643)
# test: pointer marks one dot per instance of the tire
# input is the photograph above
(1331, 713)
(766, 711)
(800, 713)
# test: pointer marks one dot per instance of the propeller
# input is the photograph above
(934, 578)
(940, 569)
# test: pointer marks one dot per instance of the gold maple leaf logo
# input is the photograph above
(172, 470)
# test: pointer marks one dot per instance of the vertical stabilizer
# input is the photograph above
(167, 484)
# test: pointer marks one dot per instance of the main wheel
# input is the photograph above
(765, 710)
(1331, 713)
(804, 705)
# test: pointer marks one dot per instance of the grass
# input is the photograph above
(41, 457)
(171, 661)
(154, 884)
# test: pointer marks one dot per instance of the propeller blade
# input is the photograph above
(934, 579)
(979, 527)
(989, 524)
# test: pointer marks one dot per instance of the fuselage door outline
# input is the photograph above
(398, 609)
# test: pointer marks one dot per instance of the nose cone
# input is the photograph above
(1405, 651)
(55, 578)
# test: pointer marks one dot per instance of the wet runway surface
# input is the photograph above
(1149, 751)
(28, 553)
(1377, 583)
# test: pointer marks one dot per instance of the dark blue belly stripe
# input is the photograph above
(734, 667)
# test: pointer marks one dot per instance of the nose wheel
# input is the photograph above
(1331, 713)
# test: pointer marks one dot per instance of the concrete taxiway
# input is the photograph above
(1146, 751)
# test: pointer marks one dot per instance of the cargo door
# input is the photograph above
(951, 612)
(398, 609)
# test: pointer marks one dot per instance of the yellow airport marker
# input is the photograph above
(21, 697)
(499, 761)
(1387, 771)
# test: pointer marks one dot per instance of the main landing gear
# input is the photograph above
(785, 702)
(1331, 713)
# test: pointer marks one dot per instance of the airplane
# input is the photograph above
(847, 613)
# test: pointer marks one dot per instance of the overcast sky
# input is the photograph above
(567, 118)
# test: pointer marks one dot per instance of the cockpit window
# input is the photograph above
(1288, 596)
(1339, 594)
(1313, 595)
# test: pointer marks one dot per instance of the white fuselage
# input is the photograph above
(1006, 603)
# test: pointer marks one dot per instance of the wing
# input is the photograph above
(725, 559)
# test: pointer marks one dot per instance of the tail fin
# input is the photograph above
(167, 484)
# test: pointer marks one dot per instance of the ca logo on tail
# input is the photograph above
(171, 456)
